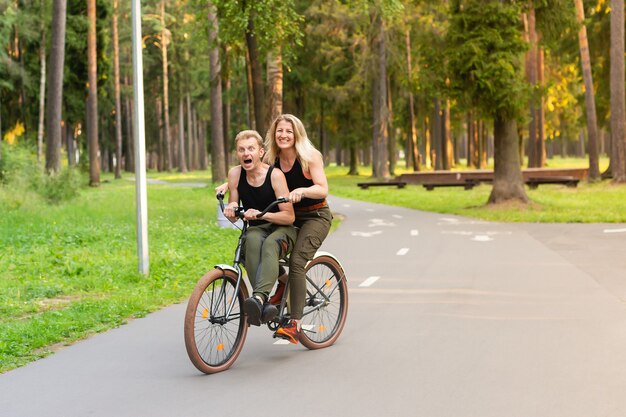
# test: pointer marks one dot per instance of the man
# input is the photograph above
(269, 238)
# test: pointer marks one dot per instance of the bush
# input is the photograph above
(21, 174)
(61, 187)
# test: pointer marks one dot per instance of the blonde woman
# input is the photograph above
(290, 150)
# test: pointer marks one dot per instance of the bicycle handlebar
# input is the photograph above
(240, 210)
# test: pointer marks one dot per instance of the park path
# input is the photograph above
(448, 316)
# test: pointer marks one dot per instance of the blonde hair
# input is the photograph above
(305, 150)
(246, 134)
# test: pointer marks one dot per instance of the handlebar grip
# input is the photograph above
(220, 198)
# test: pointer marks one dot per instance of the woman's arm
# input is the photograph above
(319, 189)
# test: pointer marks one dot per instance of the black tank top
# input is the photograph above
(256, 197)
(296, 179)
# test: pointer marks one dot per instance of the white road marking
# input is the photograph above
(415, 232)
(371, 210)
(281, 342)
(380, 222)
(402, 251)
(482, 238)
(614, 230)
(366, 234)
(397, 216)
(368, 282)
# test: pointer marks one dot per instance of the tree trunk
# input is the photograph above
(436, 136)
(118, 100)
(69, 141)
(413, 146)
(508, 183)
(42, 89)
(92, 98)
(191, 139)
(165, 40)
(250, 91)
(448, 149)
(275, 83)
(55, 87)
(218, 166)
(618, 130)
(531, 75)
(590, 103)
(380, 167)
(181, 134)
(129, 165)
(258, 89)
(226, 108)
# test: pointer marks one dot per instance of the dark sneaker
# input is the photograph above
(252, 307)
(278, 295)
(289, 332)
(269, 312)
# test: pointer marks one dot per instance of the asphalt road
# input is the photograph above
(448, 317)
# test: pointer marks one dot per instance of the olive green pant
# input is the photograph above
(264, 245)
(314, 227)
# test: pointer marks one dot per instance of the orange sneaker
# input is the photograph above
(289, 332)
(278, 295)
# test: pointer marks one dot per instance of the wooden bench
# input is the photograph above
(468, 184)
(568, 181)
(366, 185)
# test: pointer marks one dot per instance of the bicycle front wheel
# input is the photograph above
(326, 303)
(214, 336)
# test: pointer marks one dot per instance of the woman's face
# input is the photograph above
(284, 136)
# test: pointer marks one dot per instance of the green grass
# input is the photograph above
(601, 202)
(70, 270)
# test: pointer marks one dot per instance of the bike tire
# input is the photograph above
(326, 303)
(214, 341)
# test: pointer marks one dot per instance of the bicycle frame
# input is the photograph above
(236, 267)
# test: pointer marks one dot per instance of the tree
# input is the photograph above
(42, 86)
(618, 130)
(118, 100)
(415, 156)
(55, 87)
(380, 163)
(258, 87)
(218, 165)
(92, 98)
(484, 52)
(592, 124)
(165, 40)
(275, 84)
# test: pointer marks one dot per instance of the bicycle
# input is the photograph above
(216, 327)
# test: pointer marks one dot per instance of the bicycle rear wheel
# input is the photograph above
(326, 303)
(213, 339)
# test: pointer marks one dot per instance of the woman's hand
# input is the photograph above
(296, 195)
(221, 189)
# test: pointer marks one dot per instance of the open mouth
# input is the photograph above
(247, 161)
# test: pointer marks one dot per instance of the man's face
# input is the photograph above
(249, 153)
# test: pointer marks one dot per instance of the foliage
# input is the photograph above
(485, 48)
(22, 178)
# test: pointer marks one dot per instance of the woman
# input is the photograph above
(289, 149)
